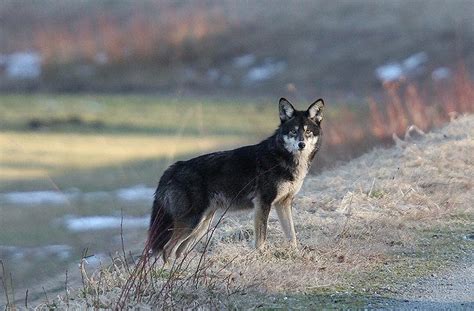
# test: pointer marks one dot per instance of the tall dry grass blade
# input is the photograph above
(5, 287)
(398, 117)
(26, 298)
(377, 124)
(416, 108)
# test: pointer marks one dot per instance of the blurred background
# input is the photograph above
(99, 97)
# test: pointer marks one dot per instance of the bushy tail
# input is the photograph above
(161, 225)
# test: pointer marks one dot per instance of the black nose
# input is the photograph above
(301, 145)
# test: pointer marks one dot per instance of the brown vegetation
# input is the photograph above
(350, 133)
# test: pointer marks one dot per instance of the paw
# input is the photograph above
(294, 245)
(260, 246)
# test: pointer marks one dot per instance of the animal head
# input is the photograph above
(300, 131)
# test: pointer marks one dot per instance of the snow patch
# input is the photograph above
(22, 65)
(414, 63)
(441, 73)
(266, 71)
(60, 251)
(35, 197)
(244, 61)
(32, 198)
(389, 72)
(136, 193)
(79, 224)
(412, 66)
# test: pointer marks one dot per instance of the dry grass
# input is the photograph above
(350, 221)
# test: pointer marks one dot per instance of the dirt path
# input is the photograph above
(454, 285)
(452, 288)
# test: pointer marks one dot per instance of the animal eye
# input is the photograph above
(293, 132)
(308, 132)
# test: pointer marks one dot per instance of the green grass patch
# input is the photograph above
(137, 113)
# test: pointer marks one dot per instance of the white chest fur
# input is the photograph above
(289, 189)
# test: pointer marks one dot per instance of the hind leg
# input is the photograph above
(196, 235)
(262, 211)
(181, 232)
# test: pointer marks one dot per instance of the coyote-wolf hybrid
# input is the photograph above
(261, 176)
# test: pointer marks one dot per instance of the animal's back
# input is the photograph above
(187, 189)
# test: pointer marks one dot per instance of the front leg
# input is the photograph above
(285, 215)
(262, 211)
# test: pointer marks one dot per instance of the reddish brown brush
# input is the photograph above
(141, 34)
(405, 104)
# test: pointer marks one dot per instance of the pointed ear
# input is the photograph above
(315, 111)
(286, 110)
